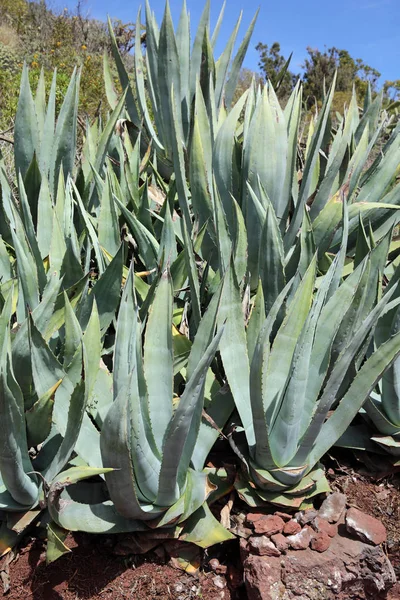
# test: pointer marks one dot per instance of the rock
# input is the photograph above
(366, 528)
(253, 517)
(263, 578)
(269, 525)
(216, 566)
(244, 549)
(238, 527)
(348, 569)
(219, 582)
(262, 546)
(333, 507)
(301, 540)
(291, 527)
(320, 542)
(306, 516)
(280, 542)
(284, 516)
(321, 525)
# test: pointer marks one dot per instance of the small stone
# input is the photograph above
(306, 516)
(291, 527)
(262, 546)
(333, 507)
(216, 566)
(284, 516)
(219, 582)
(320, 541)
(269, 525)
(321, 525)
(238, 527)
(366, 528)
(253, 517)
(301, 540)
(280, 542)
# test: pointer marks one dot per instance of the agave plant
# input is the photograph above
(154, 443)
(287, 375)
(382, 407)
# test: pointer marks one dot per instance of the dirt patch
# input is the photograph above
(92, 572)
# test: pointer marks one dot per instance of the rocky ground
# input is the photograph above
(348, 548)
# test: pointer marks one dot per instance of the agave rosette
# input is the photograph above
(288, 371)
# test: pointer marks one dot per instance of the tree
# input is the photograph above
(391, 90)
(271, 64)
(320, 67)
(246, 76)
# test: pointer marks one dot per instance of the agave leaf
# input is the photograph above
(197, 489)
(14, 459)
(196, 57)
(255, 322)
(39, 417)
(64, 142)
(191, 269)
(140, 85)
(108, 227)
(30, 234)
(222, 64)
(27, 272)
(215, 417)
(45, 218)
(372, 110)
(203, 529)
(91, 231)
(271, 269)
(275, 376)
(292, 114)
(124, 444)
(223, 159)
(376, 411)
(76, 516)
(181, 435)
(26, 132)
(285, 433)
(46, 372)
(311, 161)
(167, 252)
(93, 347)
(106, 292)
(335, 160)
(259, 364)
(383, 174)
(124, 79)
(361, 386)
(237, 63)
(179, 162)
(267, 130)
(46, 147)
(111, 94)
(8, 538)
(6, 272)
(158, 358)
(333, 384)
(169, 78)
(148, 245)
(32, 182)
(55, 543)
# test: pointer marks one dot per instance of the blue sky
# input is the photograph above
(368, 29)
